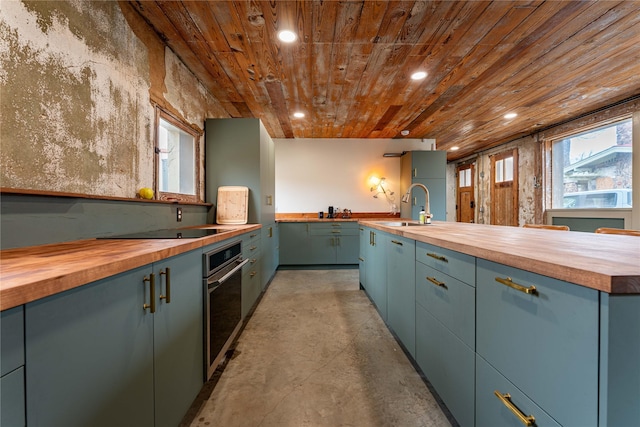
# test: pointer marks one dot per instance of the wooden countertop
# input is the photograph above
(31, 273)
(609, 263)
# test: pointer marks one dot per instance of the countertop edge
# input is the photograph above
(15, 291)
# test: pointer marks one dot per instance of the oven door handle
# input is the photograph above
(220, 281)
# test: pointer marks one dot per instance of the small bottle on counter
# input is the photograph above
(421, 215)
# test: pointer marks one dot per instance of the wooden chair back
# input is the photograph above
(608, 230)
(547, 227)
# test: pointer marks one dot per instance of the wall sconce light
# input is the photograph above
(378, 185)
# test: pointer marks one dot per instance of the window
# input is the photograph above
(177, 155)
(592, 169)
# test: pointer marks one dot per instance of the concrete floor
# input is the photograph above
(315, 352)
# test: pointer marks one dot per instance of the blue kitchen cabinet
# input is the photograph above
(239, 151)
(376, 265)
(252, 271)
(363, 235)
(545, 342)
(270, 250)
(427, 168)
(294, 243)
(98, 357)
(445, 330)
(12, 397)
(500, 403)
(401, 289)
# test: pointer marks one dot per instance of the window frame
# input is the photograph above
(550, 144)
(196, 134)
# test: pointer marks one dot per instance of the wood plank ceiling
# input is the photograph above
(547, 61)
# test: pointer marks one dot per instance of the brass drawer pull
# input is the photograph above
(253, 248)
(253, 273)
(336, 231)
(152, 293)
(396, 242)
(336, 225)
(361, 259)
(361, 229)
(531, 290)
(251, 236)
(438, 257)
(253, 261)
(167, 297)
(506, 400)
(437, 282)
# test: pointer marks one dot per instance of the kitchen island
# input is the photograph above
(513, 325)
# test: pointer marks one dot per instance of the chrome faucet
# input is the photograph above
(407, 196)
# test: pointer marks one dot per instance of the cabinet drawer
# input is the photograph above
(455, 264)
(448, 364)
(251, 250)
(12, 339)
(491, 411)
(323, 229)
(535, 339)
(12, 399)
(451, 301)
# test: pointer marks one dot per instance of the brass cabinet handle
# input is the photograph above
(336, 225)
(152, 293)
(437, 282)
(269, 200)
(253, 248)
(374, 238)
(531, 290)
(506, 400)
(361, 229)
(370, 238)
(251, 236)
(336, 231)
(253, 261)
(438, 257)
(253, 273)
(415, 172)
(361, 259)
(167, 273)
(396, 242)
(270, 231)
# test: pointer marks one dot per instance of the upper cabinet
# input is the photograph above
(241, 152)
(428, 168)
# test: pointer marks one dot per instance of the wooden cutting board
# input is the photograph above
(232, 205)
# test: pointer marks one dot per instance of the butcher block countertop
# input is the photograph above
(34, 272)
(605, 262)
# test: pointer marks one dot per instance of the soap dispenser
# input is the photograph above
(421, 215)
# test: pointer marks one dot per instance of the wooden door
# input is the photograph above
(465, 204)
(504, 188)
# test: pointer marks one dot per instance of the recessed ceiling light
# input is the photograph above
(404, 132)
(418, 75)
(510, 115)
(298, 114)
(287, 36)
(454, 148)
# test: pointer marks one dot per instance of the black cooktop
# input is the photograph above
(185, 233)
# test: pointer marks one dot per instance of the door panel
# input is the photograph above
(504, 188)
(465, 208)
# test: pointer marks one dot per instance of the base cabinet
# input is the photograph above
(401, 289)
(324, 243)
(96, 357)
(12, 397)
(376, 265)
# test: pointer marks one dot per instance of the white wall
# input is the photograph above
(314, 173)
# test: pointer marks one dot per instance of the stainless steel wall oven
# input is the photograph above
(223, 301)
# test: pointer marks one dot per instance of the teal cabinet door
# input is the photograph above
(178, 360)
(12, 397)
(269, 264)
(377, 272)
(347, 248)
(294, 243)
(401, 289)
(448, 364)
(545, 343)
(427, 168)
(505, 411)
(364, 234)
(90, 355)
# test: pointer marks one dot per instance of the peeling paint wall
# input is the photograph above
(79, 82)
(528, 196)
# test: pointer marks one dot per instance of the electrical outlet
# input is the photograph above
(179, 214)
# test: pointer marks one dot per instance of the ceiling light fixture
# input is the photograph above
(298, 114)
(418, 75)
(510, 115)
(287, 36)
(404, 132)
(454, 148)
